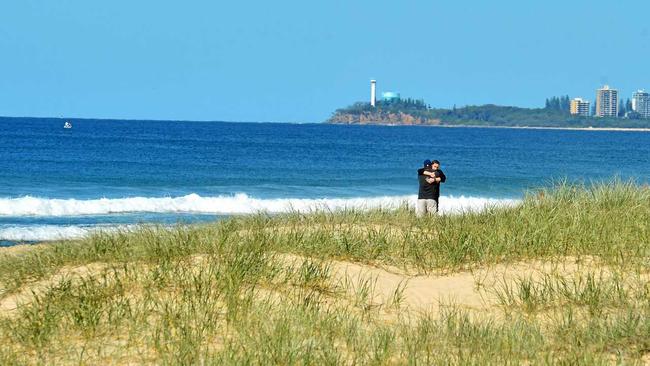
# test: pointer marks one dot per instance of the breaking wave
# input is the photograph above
(238, 204)
(224, 205)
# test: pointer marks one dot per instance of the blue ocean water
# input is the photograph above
(58, 183)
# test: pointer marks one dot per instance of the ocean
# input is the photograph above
(61, 183)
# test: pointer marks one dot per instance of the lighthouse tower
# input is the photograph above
(373, 92)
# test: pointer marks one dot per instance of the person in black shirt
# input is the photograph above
(426, 200)
(429, 178)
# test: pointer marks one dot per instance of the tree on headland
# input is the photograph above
(621, 108)
(566, 104)
(552, 103)
(560, 104)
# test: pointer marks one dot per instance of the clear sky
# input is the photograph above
(297, 61)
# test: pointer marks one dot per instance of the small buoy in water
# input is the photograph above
(67, 124)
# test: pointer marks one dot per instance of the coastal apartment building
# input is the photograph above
(606, 102)
(580, 107)
(641, 103)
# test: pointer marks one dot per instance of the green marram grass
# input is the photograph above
(224, 293)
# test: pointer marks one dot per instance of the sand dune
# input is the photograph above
(471, 289)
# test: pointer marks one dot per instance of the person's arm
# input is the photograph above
(430, 180)
(428, 173)
(441, 177)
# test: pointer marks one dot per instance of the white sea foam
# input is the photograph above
(225, 205)
(50, 232)
(233, 205)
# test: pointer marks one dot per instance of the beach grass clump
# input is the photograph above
(596, 292)
(282, 289)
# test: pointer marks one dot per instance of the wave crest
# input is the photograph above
(225, 205)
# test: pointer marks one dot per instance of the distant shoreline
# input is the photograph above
(625, 129)
(630, 129)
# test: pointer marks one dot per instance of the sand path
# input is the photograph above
(471, 289)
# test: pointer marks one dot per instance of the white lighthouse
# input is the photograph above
(373, 92)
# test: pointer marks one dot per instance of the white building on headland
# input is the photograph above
(390, 96)
(641, 103)
(373, 92)
(580, 107)
(606, 102)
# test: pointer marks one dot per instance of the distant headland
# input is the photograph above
(559, 112)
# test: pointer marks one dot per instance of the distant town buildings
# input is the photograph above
(641, 103)
(606, 102)
(579, 107)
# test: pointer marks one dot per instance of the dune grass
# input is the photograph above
(224, 293)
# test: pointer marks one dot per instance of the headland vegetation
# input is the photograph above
(563, 277)
(418, 112)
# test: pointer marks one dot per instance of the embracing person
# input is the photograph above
(429, 178)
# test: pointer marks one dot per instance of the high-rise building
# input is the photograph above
(580, 107)
(641, 103)
(373, 92)
(606, 102)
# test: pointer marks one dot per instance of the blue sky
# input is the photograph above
(297, 61)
